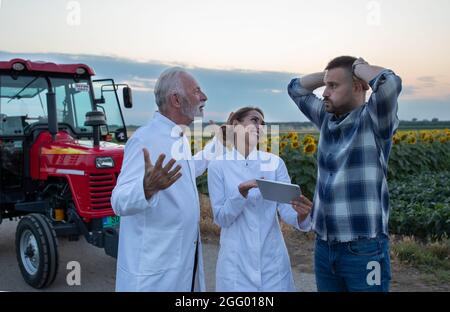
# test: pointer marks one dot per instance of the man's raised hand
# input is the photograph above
(157, 177)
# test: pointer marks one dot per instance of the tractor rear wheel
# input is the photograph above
(37, 250)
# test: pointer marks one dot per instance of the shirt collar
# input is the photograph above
(335, 118)
(168, 124)
(238, 156)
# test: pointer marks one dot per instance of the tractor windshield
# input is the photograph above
(23, 103)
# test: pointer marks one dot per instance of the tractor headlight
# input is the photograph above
(104, 162)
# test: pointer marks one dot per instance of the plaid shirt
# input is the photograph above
(351, 199)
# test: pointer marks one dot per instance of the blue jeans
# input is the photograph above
(360, 265)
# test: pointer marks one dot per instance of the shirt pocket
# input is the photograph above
(161, 251)
(267, 175)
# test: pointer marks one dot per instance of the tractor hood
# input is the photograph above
(103, 144)
(66, 154)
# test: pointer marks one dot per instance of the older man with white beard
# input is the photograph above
(159, 245)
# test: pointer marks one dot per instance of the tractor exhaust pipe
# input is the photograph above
(51, 111)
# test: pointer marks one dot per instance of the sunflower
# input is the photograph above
(444, 139)
(283, 145)
(423, 134)
(426, 137)
(295, 144)
(403, 136)
(291, 135)
(412, 140)
(396, 139)
(308, 139)
(310, 149)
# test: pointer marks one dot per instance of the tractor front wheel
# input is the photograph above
(37, 250)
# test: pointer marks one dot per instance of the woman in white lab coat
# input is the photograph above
(252, 255)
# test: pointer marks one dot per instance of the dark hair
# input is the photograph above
(345, 62)
(238, 115)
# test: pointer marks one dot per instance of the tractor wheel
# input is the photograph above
(37, 250)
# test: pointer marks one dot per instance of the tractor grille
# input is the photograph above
(100, 187)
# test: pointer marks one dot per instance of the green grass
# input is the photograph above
(431, 258)
(420, 205)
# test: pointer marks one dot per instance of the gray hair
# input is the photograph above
(168, 82)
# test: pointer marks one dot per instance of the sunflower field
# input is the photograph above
(419, 161)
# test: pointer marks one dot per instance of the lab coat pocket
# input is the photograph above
(226, 269)
(161, 251)
(280, 254)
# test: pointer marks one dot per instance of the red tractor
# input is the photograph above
(59, 160)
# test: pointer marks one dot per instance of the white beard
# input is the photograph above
(194, 112)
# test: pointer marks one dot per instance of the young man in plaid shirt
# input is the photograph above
(351, 201)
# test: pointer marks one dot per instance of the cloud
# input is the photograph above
(427, 79)
(273, 91)
(141, 84)
(408, 90)
(428, 87)
(229, 89)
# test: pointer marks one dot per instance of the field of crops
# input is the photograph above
(419, 177)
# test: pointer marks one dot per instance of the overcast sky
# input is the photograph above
(242, 52)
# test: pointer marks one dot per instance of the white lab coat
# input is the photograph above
(158, 237)
(252, 255)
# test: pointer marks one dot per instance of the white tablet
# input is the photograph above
(278, 191)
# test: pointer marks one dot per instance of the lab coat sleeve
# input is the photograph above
(128, 196)
(225, 210)
(287, 213)
(210, 152)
